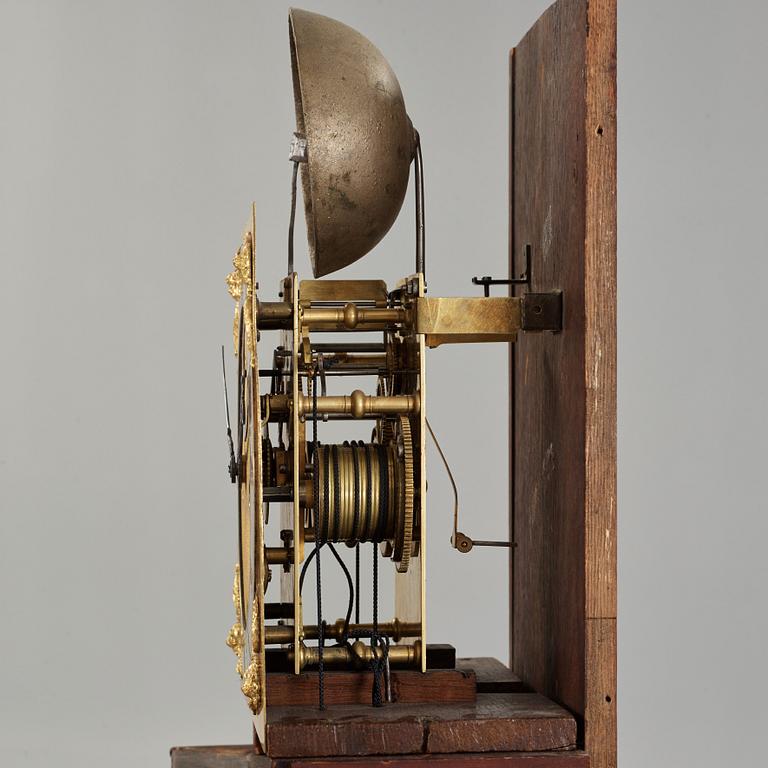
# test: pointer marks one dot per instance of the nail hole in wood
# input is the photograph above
(599, 130)
(608, 699)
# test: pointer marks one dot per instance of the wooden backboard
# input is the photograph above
(563, 204)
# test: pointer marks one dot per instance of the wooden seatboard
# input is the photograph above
(471, 676)
(491, 675)
(350, 687)
(563, 451)
(495, 722)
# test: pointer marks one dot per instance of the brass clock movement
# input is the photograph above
(296, 350)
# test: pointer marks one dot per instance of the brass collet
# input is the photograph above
(360, 655)
(282, 634)
(359, 405)
(350, 316)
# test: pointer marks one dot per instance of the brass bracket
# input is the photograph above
(497, 318)
(452, 320)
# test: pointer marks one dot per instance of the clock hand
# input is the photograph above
(233, 471)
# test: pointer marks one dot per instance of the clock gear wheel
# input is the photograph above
(402, 546)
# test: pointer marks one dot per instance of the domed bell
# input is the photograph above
(360, 140)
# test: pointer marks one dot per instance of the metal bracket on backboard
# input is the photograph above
(539, 311)
(542, 311)
(525, 279)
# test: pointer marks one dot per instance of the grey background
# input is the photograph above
(132, 138)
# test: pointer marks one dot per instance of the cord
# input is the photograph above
(418, 177)
(351, 591)
(293, 216)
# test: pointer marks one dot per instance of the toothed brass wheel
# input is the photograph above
(402, 546)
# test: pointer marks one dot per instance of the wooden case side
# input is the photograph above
(563, 420)
(600, 384)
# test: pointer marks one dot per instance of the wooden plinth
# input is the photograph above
(496, 722)
(247, 757)
(481, 706)
(500, 725)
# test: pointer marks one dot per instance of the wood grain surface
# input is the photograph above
(349, 687)
(571, 759)
(240, 756)
(549, 214)
(562, 198)
(491, 676)
(495, 722)
(245, 757)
